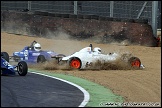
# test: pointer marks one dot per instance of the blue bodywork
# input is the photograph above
(30, 56)
(6, 68)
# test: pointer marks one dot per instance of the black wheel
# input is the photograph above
(41, 59)
(75, 63)
(135, 62)
(5, 56)
(22, 68)
(59, 57)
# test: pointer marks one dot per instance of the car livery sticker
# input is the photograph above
(26, 53)
(35, 54)
(21, 52)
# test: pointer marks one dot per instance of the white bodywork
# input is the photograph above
(87, 56)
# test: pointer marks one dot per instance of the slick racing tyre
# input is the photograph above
(22, 68)
(59, 57)
(5, 56)
(135, 62)
(75, 63)
(41, 59)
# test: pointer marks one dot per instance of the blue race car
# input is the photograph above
(34, 54)
(7, 69)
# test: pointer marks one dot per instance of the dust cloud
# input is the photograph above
(133, 85)
(118, 64)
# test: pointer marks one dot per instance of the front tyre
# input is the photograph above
(59, 57)
(22, 68)
(41, 59)
(75, 63)
(5, 56)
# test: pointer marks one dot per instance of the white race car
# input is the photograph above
(88, 56)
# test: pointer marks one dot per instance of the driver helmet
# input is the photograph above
(37, 47)
(97, 49)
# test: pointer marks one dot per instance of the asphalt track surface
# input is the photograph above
(35, 90)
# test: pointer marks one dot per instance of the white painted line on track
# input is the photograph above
(86, 94)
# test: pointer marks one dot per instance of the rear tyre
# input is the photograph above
(5, 56)
(22, 68)
(75, 63)
(41, 59)
(135, 62)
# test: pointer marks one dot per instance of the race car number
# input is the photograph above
(35, 54)
(26, 53)
(5, 63)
